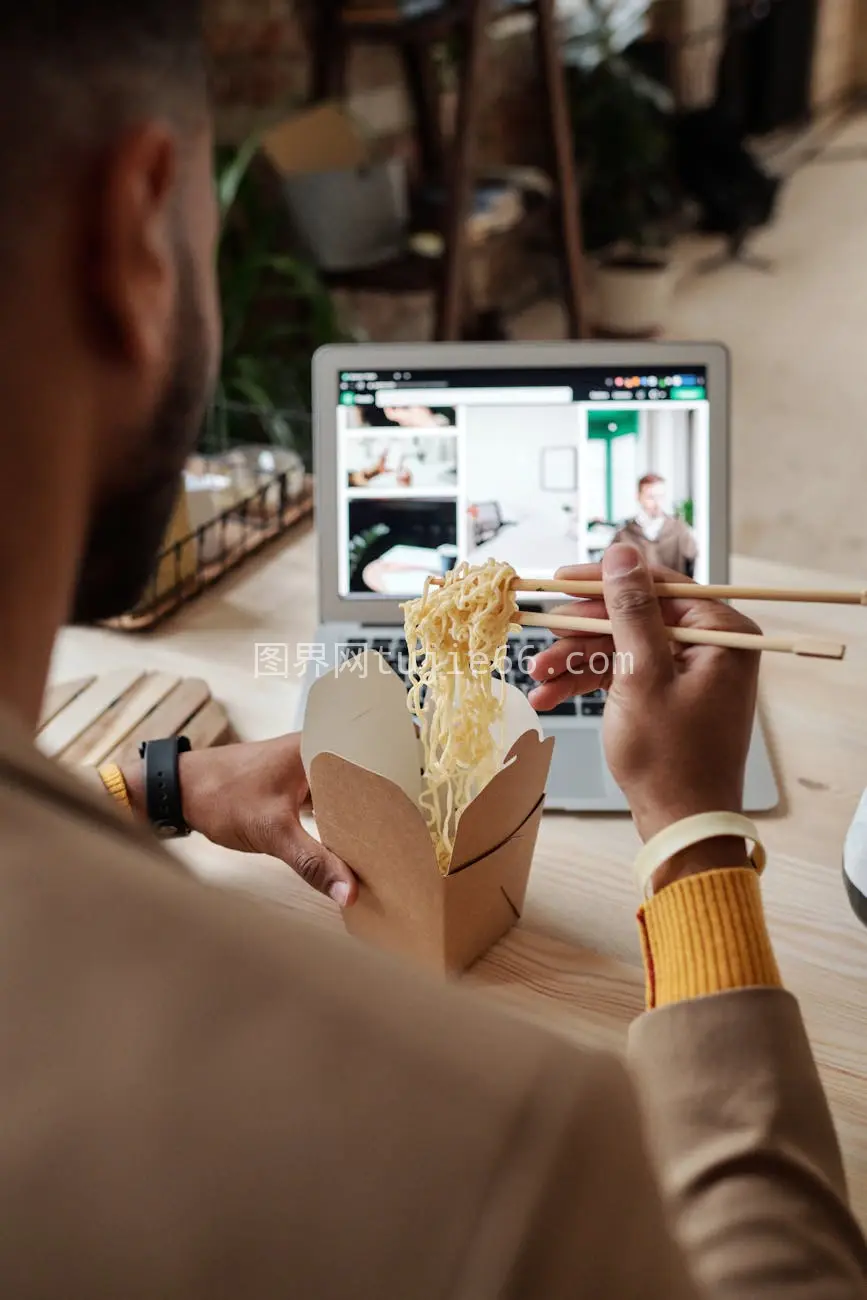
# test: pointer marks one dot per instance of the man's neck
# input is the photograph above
(24, 671)
(650, 525)
(42, 524)
(49, 464)
(34, 602)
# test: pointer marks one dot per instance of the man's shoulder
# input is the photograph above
(241, 1048)
(46, 810)
(61, 846)
(60, 857)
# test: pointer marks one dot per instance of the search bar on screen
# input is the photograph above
(474, 397)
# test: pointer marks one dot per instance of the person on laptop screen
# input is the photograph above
(662, 539)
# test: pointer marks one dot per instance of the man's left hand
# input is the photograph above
(249, 797)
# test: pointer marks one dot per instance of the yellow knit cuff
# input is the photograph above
(706, 934)
(113, 780)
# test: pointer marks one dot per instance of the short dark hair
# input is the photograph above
(649, 480)
(72, 71)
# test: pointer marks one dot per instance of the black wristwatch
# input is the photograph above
(163, 786)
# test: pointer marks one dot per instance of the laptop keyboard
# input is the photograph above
(521, 651)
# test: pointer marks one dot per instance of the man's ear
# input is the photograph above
(133, 263)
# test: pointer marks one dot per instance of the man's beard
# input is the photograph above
(128, 527)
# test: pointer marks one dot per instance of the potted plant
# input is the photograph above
(276, 313)
(622, 127)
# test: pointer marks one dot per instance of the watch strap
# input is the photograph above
(162, 785)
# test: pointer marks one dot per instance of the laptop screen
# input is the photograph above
(539, 468)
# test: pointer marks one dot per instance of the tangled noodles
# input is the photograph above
(457, 635)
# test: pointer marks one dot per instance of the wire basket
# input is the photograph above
(194, 561)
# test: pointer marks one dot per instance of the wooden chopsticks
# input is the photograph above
(697, 591)
(701, 591)
(809, 646)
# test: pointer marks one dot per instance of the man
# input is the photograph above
(201, 1098)
(663, 540)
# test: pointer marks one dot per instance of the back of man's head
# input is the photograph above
(107, 239)
(72, 72)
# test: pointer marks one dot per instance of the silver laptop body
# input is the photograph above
(428, 454)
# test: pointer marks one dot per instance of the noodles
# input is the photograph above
(457, 636)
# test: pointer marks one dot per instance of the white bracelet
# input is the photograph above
(693, 830)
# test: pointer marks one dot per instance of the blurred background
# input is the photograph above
(480, 169)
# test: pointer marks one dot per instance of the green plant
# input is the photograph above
(276, 313)
(685, 511)
(361, 543)
(621, 124)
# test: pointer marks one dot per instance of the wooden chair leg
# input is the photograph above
(421, 81)
(450, 303)
(328, 49)
(566, 176)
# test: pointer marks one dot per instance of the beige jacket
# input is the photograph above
(203, 1099)
(675, 547)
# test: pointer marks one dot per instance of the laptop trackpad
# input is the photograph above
(578, 768)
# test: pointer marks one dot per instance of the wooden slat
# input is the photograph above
(117, 723)
(57, 698)
(74, 720)
(209, 727)
(169, 719)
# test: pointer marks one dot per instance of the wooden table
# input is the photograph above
(573, 961)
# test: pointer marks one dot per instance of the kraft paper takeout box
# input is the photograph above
(363, 760)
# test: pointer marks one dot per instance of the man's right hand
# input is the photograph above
(679, 718)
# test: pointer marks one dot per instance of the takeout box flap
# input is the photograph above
(371, 824)
(519, 716)
(359, 712)
(506, 802)
(486, 898)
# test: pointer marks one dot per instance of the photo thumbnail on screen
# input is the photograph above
(427, 418)
(394, 544)
(392, 463)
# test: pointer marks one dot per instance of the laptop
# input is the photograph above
(427, 455)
